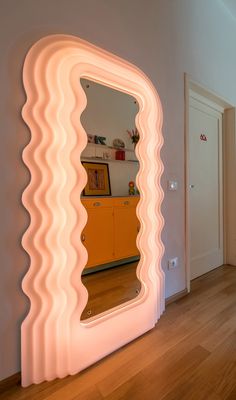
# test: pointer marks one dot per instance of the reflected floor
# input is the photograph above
(109, 288)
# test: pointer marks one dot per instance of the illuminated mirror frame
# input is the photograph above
(55, 343)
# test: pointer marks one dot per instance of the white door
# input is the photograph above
(205, 187)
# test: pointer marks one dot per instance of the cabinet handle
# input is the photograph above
(97, 204)
(126, 203)
(83, 237)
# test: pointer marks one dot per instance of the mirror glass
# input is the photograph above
(110, 198)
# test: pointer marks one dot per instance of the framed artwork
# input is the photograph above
(98, 183)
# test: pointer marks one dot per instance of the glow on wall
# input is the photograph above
(55, 343)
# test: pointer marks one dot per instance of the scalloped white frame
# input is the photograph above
(55, 343)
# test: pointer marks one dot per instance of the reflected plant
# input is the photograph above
(134, 135)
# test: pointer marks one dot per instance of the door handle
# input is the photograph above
(191, 186)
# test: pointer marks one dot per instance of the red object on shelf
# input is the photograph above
(120, 155)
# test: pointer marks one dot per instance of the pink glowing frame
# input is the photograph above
(55, 343)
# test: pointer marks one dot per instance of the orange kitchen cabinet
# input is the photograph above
(98, 233)
(126, 227)
(111, 230)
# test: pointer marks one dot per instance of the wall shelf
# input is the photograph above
(98, 159)
(100, 152)
(109, 147)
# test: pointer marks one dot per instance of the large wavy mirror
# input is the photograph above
(55, 340)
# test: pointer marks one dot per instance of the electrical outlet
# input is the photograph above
(173, 263)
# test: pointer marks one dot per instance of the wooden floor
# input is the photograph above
(110, 288)
(189, 355)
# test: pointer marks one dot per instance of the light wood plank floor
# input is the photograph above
(110, 288)
(189, 355)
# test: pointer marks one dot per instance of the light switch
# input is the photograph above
(172, 185)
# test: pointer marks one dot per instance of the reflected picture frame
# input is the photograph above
(98, 183)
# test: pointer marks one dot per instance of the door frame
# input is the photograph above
(220, 104)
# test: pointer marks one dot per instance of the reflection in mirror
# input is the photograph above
(110, 198)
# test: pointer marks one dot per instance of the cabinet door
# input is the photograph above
(97, 236)
(126, 230)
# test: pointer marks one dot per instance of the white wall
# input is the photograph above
(110, 113)
(165, 38)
